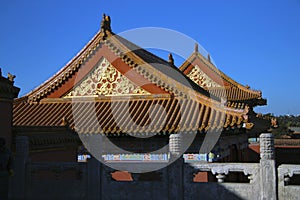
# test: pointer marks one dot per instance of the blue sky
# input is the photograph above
(254, 42)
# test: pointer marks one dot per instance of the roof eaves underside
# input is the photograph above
(135, 116)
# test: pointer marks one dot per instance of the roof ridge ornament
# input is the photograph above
(196, 50)
(171, 60)
(64, 121)
(208, 58)
(11, 77)
(105, 24)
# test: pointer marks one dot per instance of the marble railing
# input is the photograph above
(222, 189)
(220, 170)
(285, 174)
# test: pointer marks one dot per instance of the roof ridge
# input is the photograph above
(68, 68)
(219, 72)
(226, 77)
(140, 55)
(135, 53)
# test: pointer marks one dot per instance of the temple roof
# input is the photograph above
(140, 66)
(203, 72)
(112, 86)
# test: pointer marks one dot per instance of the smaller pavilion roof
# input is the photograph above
(218, 83)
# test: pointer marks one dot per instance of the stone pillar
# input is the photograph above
(94, 179)
(175, 141)
(18, 187)
(267, 167)
(175, 170)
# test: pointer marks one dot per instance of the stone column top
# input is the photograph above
(266, 146)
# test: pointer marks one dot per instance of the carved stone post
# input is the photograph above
(18, 188)
(267, 167)
(175, 170)
(175, 144)
(266, 146)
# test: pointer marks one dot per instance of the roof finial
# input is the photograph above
(208, 58)
(171, 59)
(196, 48)
(64, 121)
(105, 23)
(11, 77)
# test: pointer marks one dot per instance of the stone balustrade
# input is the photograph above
(176, 177)
(220, 170)
(285, 190)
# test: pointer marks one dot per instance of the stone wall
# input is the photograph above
(56, 181)
(172, 182)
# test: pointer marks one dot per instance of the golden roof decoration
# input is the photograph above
(104, 79)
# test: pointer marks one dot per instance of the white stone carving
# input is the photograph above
(266, 146)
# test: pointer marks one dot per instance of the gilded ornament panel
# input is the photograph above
(105, 79)
(200, 78)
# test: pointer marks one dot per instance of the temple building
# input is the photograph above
(118, 122)
(137, 100)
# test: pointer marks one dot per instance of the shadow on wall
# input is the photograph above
(205, 190)
(211, 191)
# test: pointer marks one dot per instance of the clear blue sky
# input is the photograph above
(254, 42)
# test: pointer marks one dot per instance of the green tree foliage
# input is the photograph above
(284, 122)
(289, 120)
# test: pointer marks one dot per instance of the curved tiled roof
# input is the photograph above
(230, 89)
(156, 62)
(66, 72)
(118, 115)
